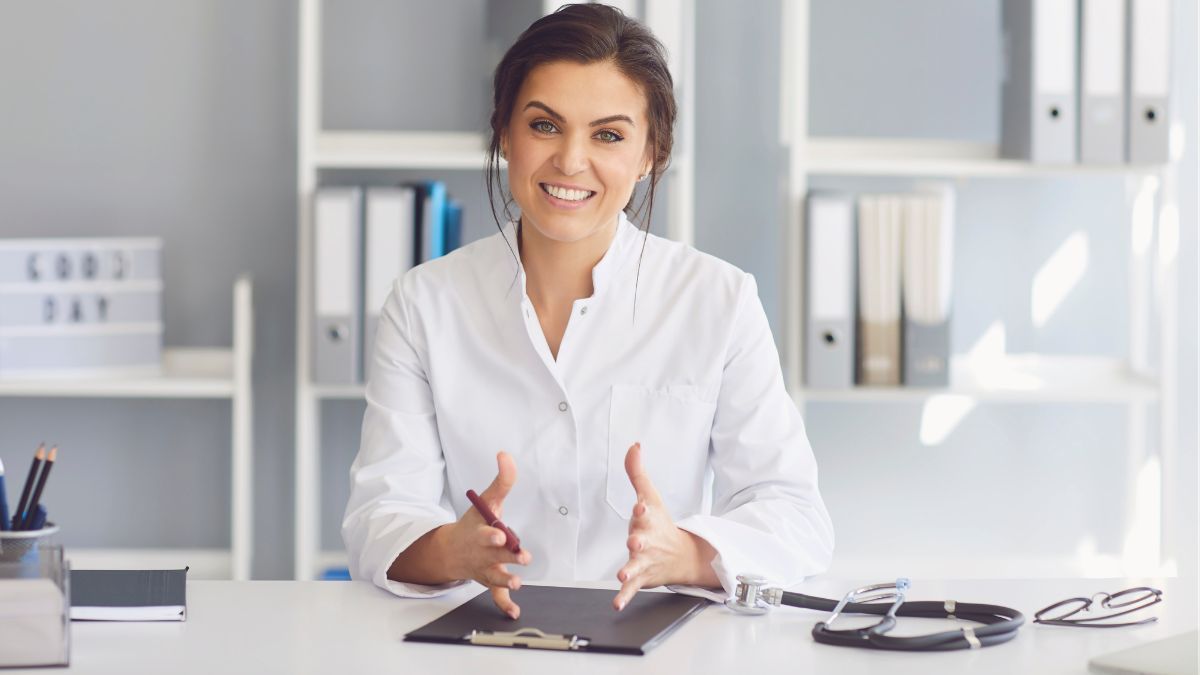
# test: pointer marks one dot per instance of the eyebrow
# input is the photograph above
(602, 120)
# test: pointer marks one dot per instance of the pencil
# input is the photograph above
(512, 542)
(22, 504)
(27, 523)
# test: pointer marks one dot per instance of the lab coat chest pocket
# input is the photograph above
(674, 426)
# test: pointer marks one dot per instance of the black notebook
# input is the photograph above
(553, 617)
(129, 595)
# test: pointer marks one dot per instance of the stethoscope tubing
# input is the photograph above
(1000, 624)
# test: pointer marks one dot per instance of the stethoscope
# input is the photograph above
(753, 595)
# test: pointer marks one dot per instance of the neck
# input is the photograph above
(557, 271)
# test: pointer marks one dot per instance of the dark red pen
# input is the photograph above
(513, 543)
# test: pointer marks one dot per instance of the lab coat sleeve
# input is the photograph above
(768, 517)
(397, 481)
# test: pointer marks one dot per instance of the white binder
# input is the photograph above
(879, 277)
(1149, 80)
(1038, 96)
(928, 280)
(829, 298)
(337, 285)
(390, 235)
(1102, 82)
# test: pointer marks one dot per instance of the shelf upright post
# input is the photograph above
(1166, 285)
(242, 414)
(307, 426)
(793, 134)
(674, 23)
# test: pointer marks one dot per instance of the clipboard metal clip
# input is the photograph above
(526, 637)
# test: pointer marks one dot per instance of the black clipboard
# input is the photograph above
(567, 619)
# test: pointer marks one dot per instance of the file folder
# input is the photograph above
(337, 285)
(454, 213)
(829, 298)
(928, 274)
(1038, 106)
(1149, 80)
(388, 254)
(431, 240)
(879, 237)
(1102, 82)
(565, 619)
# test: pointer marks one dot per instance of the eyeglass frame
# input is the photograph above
(1106, 603)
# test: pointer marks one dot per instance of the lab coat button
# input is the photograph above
(562, 406)
(562, 510)
(583, 310)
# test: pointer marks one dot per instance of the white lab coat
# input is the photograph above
(461, 370)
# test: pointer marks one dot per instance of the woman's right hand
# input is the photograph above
(475, 550)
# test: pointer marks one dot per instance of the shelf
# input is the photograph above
(186, 373)
(893, 157)
(204, 563)
(399, 150)
(328, 559)
(339, 391)
(1014, 379)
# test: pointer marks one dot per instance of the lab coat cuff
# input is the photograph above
(729, 561)
(410, 590)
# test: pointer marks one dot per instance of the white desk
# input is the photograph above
(352, 627)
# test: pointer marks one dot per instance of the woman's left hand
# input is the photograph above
(659, 552)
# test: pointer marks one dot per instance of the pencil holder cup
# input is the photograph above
(22, 545)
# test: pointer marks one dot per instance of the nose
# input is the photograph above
(571, 157)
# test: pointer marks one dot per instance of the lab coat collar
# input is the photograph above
(624, 242)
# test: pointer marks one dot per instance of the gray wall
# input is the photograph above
(175, 119)
(178, 120)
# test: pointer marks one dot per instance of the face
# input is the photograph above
(576, 145)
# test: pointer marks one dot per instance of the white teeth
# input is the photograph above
(565, 194)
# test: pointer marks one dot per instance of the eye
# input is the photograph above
(543, 126)
(609, 136)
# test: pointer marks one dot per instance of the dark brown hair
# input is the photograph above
(588, 33)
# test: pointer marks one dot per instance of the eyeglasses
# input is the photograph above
(1129, 600)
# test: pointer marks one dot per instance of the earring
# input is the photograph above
(642, 177)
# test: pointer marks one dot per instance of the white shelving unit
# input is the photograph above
(1030, 379)
(187, 374)
(319, 149)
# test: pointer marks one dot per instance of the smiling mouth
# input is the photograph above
(566, 195)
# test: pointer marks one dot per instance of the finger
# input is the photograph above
(504, 601)
(495, 541)
(639, 509)
(628, 590)
(631, 569)
(635, 543)
(498, 576)
(490, 536)
(506, 476)
(637, 475)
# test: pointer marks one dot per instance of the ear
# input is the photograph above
(647, 161)
(504, 143)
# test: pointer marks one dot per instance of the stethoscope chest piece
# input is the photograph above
(752, 595)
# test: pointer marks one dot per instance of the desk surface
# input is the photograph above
(353, 627)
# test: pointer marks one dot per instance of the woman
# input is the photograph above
(616, 369)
